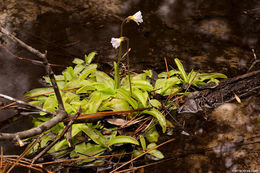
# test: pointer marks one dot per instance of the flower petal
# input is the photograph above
(138, 18)
(115, 42)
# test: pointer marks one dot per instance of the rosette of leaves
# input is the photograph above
(85, 87)
(172, 81)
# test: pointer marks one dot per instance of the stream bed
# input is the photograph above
(207, 36)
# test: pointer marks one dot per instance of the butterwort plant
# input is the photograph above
(117, 42)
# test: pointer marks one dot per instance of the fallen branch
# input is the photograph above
(225, 92)
(61, 113)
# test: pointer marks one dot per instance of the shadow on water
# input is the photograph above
(210, 36)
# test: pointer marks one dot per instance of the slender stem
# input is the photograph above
(117, 78)
(128, 67)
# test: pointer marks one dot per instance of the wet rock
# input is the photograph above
(218, 28)
(229, 114)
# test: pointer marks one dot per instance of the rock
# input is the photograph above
(229, 114)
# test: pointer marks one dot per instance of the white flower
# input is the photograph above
(116, 42)
(137, 17)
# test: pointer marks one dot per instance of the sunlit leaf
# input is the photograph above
(50, 104)
(156, 153)
(89, 58)
(87, 149)
(89, 69)
(63, 144)
(76, 129)
(155, 103)
(165, 74)
(181, 69)
(115, 105)
(94, 134)
(38, 91)
(102, 77)
(142, 96)
(77, 61)
(125, 95)
(122, 139)
(143, 143)
(78, 68)
(158, 115)
(152, 135)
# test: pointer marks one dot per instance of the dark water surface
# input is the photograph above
(209, 36)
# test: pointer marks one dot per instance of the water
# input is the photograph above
(208, 36)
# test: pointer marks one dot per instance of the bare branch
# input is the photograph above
(37, 130)
(61, 113)
(25, 103)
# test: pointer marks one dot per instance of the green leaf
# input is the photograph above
(63, 144)
(136, 153)
(122, 139)
(69, 74)
(155, 153)
(152, 135)
(50, 104)
(142, 84)
(76, 129)
(78, 68)
(89, 69)
(162, 85)
(155, 103)
(141, 96)
(158, 115)
(94, 134)
(89, 58)
(102, 77)
(191, 76)
(125, 95)
(77, 61)
(181, 69)
(148, 73)
(38, 91)
(143, 143)
(95, 101)
(115, 104)
(165, 74)
(84, 150)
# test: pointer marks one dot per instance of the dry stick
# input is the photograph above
(82, 158)
(165, 60)
(170, 140)
(25, 152)
(26, 59)
(57, 139)
(29, 166)
(61, 113)
(25, 103)
(1, 159)
(143, 166)
(107, 113)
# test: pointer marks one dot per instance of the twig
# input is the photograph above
(107, 113)
(1, 159)
(28, 98)
(170, 140)
(61, 113)
(26, 59)
(254, 62)
(57, 138)
(25, 152)
(165, 61)
(82, 158)
(25, 103)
